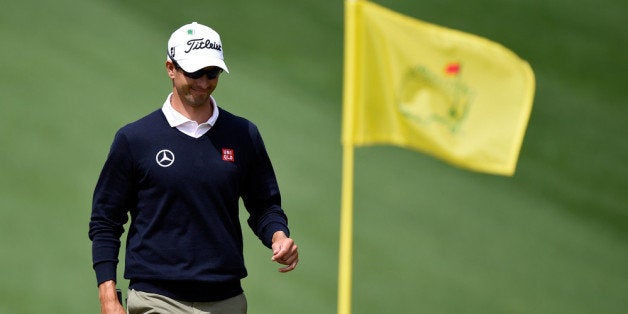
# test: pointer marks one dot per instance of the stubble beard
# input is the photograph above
(193, 99)
(197, 100)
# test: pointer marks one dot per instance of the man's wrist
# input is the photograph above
(107, 291)
(278, 235)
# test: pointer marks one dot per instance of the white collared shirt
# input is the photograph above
(185, 125)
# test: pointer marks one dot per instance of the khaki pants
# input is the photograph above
(139, 302)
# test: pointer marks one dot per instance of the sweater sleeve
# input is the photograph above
(261, 194)
(111, 201)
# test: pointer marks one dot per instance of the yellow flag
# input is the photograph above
(453, 95)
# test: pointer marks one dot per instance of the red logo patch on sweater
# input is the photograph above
(228, 155)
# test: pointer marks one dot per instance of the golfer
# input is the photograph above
(179, 173)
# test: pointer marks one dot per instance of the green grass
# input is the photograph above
(429, 238)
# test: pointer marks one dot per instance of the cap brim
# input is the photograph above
(194, 65)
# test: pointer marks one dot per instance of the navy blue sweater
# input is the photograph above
(182, 194)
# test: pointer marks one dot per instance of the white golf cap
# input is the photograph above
(195, 46)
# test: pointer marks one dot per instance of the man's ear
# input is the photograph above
(170, 69)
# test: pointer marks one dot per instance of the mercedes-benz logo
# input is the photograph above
(164, 158)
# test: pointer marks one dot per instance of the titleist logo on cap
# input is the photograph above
(201, 43)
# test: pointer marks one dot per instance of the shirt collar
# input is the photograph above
(175, 118)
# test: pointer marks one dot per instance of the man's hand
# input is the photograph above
(109, 303)
(284, 251)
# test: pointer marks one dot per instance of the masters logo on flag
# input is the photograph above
(427, 98)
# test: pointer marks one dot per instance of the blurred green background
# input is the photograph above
(429, 238)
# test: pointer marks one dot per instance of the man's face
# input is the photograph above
(194, 92)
